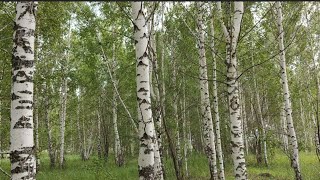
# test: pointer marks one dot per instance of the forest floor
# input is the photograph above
(95, 169)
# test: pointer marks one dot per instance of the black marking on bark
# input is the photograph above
(145, 54)
(135, 28)
(146, 172)
(22, 74)
(144, 101)
(234, 103)
(21, 41)
(23, 122)
(14, 97)
(141, 63)
(26, 101)
(142, 90)
(25, 92)
(144, 36)
(24, 164)
(18, 63)
(30, 8)
(23, 107)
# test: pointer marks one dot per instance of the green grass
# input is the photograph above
(95, 169)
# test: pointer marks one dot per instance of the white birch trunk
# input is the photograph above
(147, 136)
(23, 161)
(184, 131)
(208, 132)
(80, 139)
(48, 126)
(63, 120)
(176, 115)
(293, 144)
(36, 131)
(284, 131)
(216, 104)
(190, 147)
(239, 165)
(117, 144)
(244, 119)
(159, 167)
(262, 124)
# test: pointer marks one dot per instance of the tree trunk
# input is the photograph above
(117, 144)
(22, 150)
(48, 126)
(262, 125)
(99, 132)
(80, 139)
(147, 136)
(159, 167)
(208, 132)
(231, 37)
(184, 130)
(36, 126)
(293, 143)
(284, 129)
(63, 120)
(176, 115)
(216, 104)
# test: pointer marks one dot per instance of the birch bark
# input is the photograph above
(216, 104)
(22, 150)
(293, 144)
(231, 37)
(208, 132)
(147, 136)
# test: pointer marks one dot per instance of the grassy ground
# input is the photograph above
(95, 169)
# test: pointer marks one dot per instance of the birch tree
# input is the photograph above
(204, 95)
(293, 143)
(216, 104)
(117, 143)
(231, 36)
(22, 152)
(147, 136)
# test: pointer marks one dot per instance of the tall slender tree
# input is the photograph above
(216, 103)
(206, 115)
(22, 150)
(293, 143)
(147, 137)
(231, 35)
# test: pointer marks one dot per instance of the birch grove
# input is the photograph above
(184, 90)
